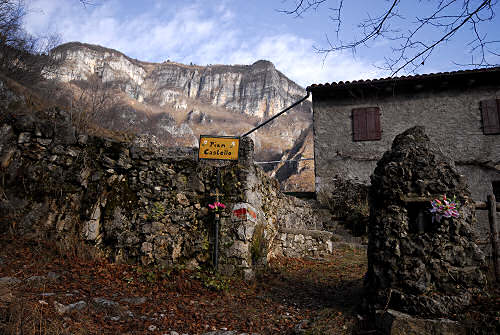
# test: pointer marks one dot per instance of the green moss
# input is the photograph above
(205, 245)
(258, 247)
(157, 212)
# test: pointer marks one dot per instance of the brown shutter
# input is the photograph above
(373, 123)
(359, 124)
(491, 116)
(366, 124)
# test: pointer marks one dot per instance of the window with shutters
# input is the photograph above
(490, 113)
(366, 124)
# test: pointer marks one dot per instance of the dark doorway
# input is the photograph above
(496, 189)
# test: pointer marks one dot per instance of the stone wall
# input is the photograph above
(300, 243)
(137, 201)
(452, 119)
(134, 201)
(253, 240)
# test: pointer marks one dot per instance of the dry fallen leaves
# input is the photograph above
(291, 292)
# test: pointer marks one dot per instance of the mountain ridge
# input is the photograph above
(178, 102)
(258, 89)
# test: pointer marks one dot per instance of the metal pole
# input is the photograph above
(216, 247)
(274, 117)
(217, 219)
(492, 215)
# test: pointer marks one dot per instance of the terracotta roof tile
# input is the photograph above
(417, 77)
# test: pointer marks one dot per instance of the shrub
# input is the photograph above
(348, 200)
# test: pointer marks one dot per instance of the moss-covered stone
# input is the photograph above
(258, 246)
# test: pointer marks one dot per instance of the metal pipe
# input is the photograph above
(274, 117)
(290, 160)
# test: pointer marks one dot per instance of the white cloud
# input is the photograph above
(296, 58)
(197, 33)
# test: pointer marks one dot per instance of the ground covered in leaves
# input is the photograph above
(48, 291)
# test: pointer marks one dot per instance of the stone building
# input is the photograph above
(356, 122)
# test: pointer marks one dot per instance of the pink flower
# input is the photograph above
(445, 208)
(217, 205)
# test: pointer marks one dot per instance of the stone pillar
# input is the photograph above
(419, 263)
(246, 153)
(248, 232)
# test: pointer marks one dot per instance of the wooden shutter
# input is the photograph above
(358, 124)
(366, 124)
(490, 112)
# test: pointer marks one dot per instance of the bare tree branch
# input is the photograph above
(86, 3)
(23, 57)
(428, 49)
(302, 6)
(96, 98)
(414, 40)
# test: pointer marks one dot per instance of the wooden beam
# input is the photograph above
(485, 205)
(481, 205)
(492, 216)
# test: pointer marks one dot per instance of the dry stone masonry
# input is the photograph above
(299, 243)
(415, 265)
(140, 202)
(136, 202)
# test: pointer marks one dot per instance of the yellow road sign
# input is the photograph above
(215, 147)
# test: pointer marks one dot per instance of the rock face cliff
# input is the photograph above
(257, 90)
(177, 102)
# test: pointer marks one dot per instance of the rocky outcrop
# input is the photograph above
(296, 169)
(258, 89)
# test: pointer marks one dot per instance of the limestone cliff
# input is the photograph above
(295, 171)
(178, 102)
(258, 89)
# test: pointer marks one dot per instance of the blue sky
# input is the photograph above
(233, 32)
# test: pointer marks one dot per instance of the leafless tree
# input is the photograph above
(94, 100)
(23, 56)
(86, 3)
(413, 39)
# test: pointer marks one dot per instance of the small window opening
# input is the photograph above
(420, 219)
